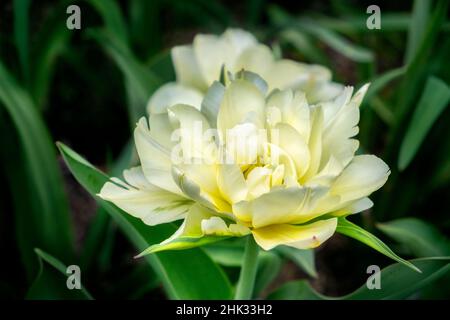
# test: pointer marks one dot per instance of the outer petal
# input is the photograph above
(171, 94)
(239, 39)
(301, 237)
(155, 159)
(187, 68)
(212, 52)
(145, 201)
(364, 175)
(279, 206)
(257, 59)
(342, 126)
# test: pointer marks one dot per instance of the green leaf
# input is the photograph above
(351, 230)
(111, 14)
(421, 238)
(381, 81)
(337, 42)
(51, 281)
(226, 253)
(397, 282)
(140, 81)
(269, 266)
(417, 26)
(331, 38)
(42, 217)
(51, 41)
(21, 35)
(432, 103)
(303, 44)
(188, 274)
(181, 243)
(304, 259)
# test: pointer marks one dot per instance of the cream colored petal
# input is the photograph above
(171, 94)
(189, 182)
(343, 126)
(191, 124)
(301, 237)
(291, 205)
(287, 74)
(155, 158)
(161, 129)
(364, 175)
(323, 91)
(354, 207)
(242, 144)
(327, 174)
(292, 142)
(293, 109)
(212, 52)
(217, 226)
(239, 39)
(231, 183)
(259, 181)
(257, 59)
(315, 144)
(187, 69)
(145, 201)
(241, 100)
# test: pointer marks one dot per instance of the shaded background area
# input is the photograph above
(88, 87)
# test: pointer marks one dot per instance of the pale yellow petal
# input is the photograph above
(231, 183)
(364, 175)
(292, 142)
(145, 201)
(301, 237)
(187, 68)
(241, 100)
(155, 158)
(171, 94)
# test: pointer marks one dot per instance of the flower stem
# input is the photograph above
(244, 290)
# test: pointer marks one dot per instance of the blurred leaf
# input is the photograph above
(139, 79)
(417, 67)
(382, 110)
(162, 66)
(51, 40)
(381, 81)
(304, 259)
(42, 217)
(303, 44)
(397, 282)
(334, 40)
(432, 103)
(254, 11)
(337, 42)
(417, 26)
(145, 15)
(111, 14)
(51, 281)
(226, 254)
(269, 266)
(351, 230)
(421, 238)
(188, 274)
(21, 35)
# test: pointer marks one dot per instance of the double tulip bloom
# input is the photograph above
(268, 151)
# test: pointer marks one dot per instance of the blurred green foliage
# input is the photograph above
(88, 87)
